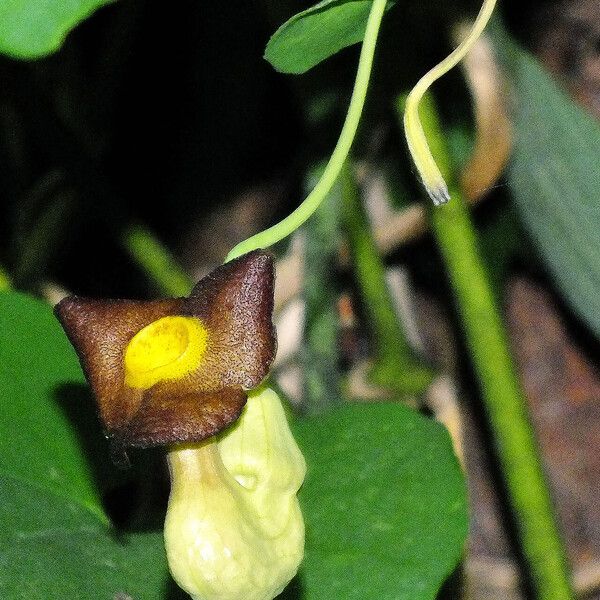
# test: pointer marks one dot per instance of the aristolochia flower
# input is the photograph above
(176, 372)
(234, 530)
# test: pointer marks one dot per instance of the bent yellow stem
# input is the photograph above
(415, 136)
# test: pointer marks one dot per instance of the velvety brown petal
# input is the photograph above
(236, 303)
(164, 419)
(100, 330)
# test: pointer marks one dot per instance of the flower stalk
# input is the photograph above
(281, 230)
(502, 393)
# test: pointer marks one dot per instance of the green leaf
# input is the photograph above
(554, 177)
(35, 28)
(41, 385)
(51, 548)
(384, 502)
(55, 541)
(317, 33)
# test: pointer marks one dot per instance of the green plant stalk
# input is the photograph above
(502, 393)
(395, 366)
(280, 230)
(5, 282)
(320, 358)
(156, 261)
(38, 246)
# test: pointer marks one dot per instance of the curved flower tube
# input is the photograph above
(234, 530)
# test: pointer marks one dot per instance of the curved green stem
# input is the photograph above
(288, 225)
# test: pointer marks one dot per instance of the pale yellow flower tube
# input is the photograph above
(234, 530)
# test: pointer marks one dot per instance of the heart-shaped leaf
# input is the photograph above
(317, 33)
(55, 540)
(384, 502)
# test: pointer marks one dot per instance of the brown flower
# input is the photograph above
(172, 371)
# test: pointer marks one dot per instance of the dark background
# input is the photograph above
(171, 118)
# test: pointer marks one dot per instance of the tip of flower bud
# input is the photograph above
(413, 129)
(439, 195)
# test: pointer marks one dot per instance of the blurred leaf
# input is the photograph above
(555, 179)
(34, 28)
(384, 502)
(317, 33)
(55, 541)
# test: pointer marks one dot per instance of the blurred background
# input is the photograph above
(160, 135)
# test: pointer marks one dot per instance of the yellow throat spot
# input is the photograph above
(169, 348)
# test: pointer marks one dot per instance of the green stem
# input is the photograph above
(395, 366)
(502, 393)
(5, 282)
(277, 232)
(156, 261)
